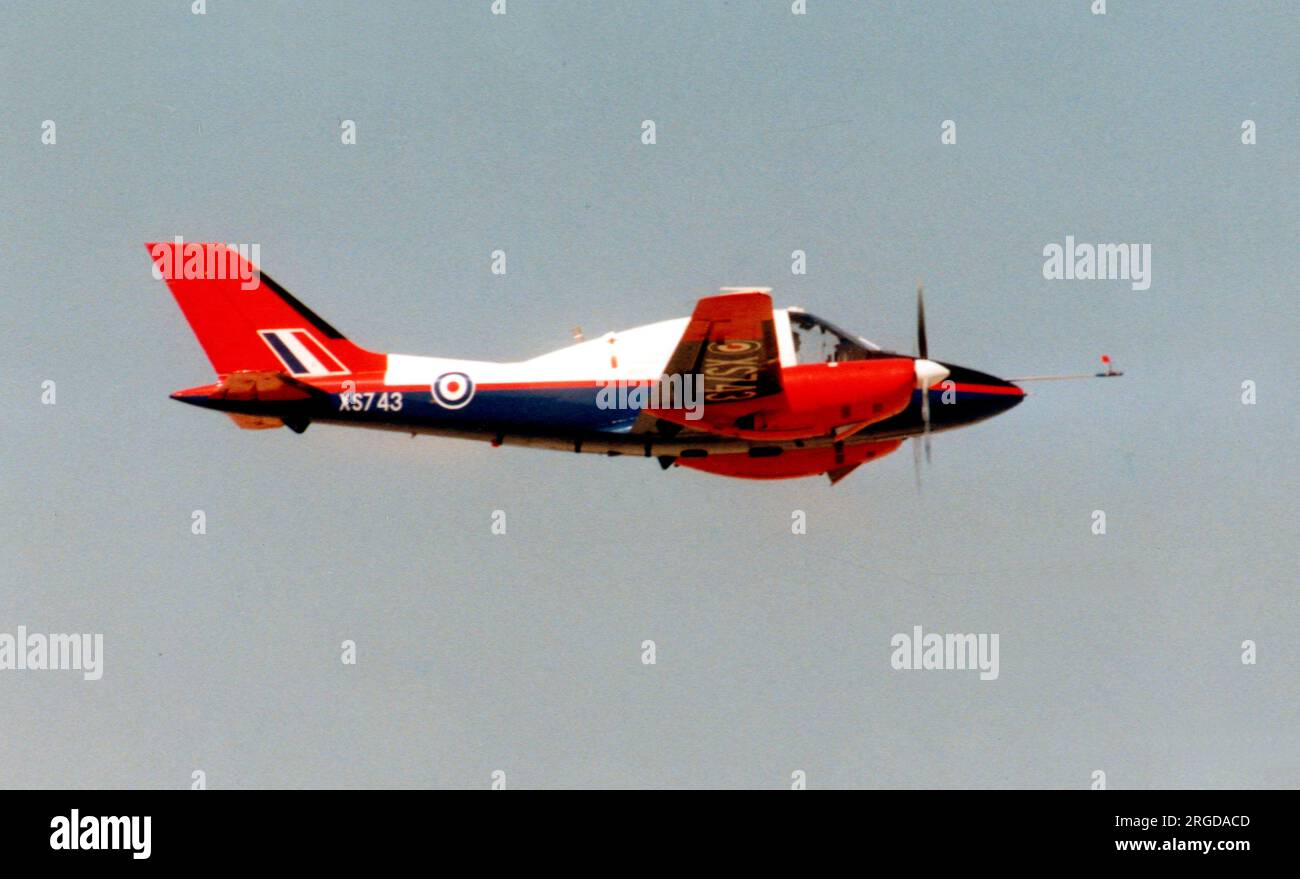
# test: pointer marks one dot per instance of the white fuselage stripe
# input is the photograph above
(304, 355)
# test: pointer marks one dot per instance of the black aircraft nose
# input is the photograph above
(964, 397)
(979, 395)
(982, 380)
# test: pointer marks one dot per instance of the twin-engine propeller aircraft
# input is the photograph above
(737, 389)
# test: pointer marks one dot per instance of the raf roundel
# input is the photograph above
(453, 390)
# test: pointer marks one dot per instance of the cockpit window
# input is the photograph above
(819, 341)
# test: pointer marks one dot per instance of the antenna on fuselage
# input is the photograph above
(576, 332)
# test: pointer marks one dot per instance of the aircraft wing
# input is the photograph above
(730, 341)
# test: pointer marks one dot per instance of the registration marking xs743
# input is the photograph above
(387, 401)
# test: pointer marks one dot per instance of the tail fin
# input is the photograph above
(246, 321)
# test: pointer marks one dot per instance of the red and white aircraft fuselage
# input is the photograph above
(739, 388)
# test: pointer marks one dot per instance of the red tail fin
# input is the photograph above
(246, 321)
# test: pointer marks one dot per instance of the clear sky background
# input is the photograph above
(521, 652)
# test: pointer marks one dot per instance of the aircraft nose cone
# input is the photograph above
(1012, 398)
(979, 396)
(983, 381)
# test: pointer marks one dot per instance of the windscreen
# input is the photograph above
(820, 341)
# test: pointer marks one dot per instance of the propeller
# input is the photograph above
(928, 374)
(922, 348)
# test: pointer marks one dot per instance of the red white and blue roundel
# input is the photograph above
(453, 390)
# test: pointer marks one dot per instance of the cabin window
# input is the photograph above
(819, 341)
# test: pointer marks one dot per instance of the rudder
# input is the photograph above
(246, 321)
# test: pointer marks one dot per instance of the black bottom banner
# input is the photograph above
(335, 828)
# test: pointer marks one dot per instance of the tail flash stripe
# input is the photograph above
(281, 349)
(305, 357)
(314, 349)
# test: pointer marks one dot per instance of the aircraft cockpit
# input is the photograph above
(820, 341)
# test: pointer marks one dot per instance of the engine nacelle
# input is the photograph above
(815, 399)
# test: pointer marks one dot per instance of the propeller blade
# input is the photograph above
(925, 420)
(916, 461)
(928, 374)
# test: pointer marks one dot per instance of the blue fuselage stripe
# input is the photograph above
(566, 410)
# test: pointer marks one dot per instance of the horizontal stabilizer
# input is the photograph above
(262, 386)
